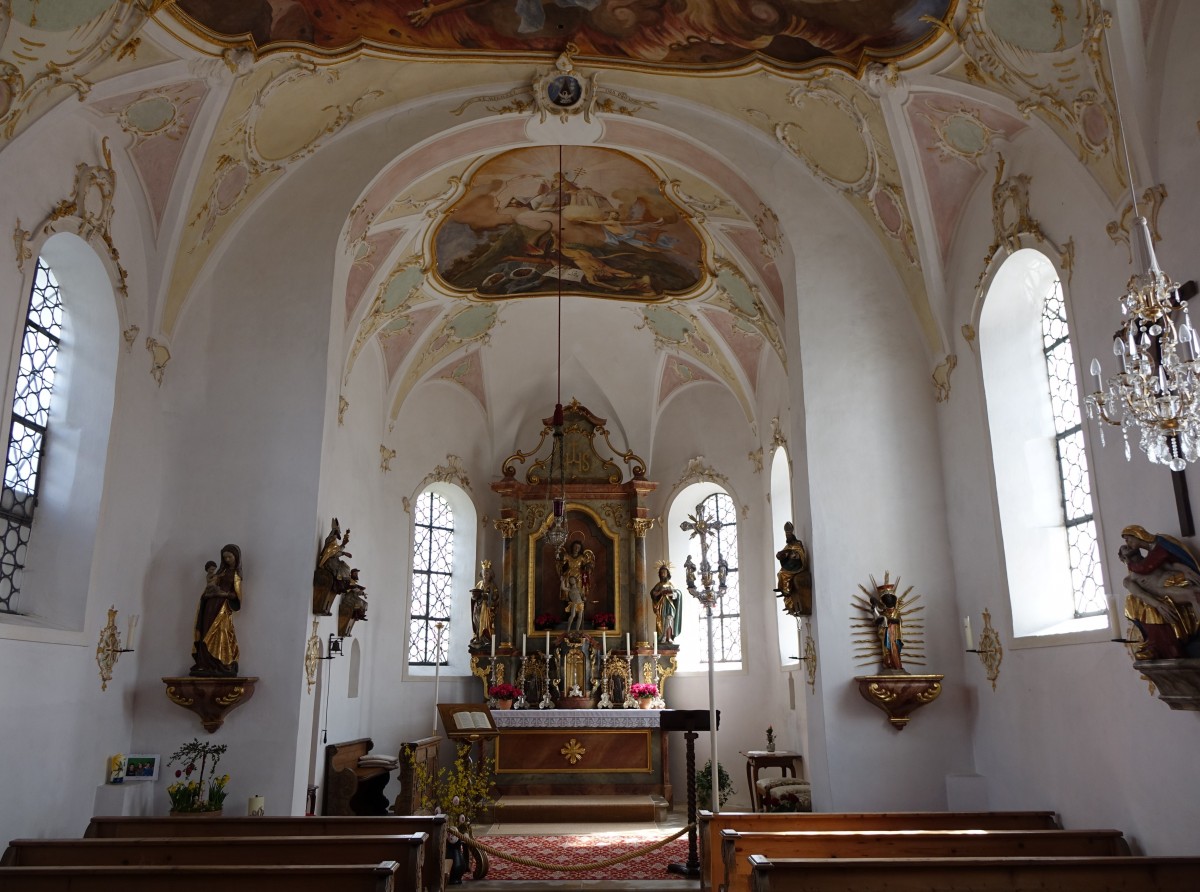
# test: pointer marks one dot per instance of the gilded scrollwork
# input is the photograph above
(385, 458)
(452, 471)
(507, 526)
(941, 377)
(159, 357)
(1151, 203)
(641, 526)
(697, 471)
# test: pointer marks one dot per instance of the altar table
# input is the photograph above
(581, 752)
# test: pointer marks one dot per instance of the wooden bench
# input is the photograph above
(709, 831)
(423, 752)
(737, 846)
(349, 788)
(406, 850)
(977, 874)
(194, 878)
(106, 827)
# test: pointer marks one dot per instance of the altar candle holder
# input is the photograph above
(521, 702)
(629, 703)
(547, 702)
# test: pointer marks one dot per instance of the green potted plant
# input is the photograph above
(198, 790)
(704, 785)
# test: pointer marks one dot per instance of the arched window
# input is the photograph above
(432, 578)
(63, 380)
(27, 427)
(1043, 487)
(727, 621)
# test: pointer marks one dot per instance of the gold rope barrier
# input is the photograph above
(579, 868)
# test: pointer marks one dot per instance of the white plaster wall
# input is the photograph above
(1072, 727)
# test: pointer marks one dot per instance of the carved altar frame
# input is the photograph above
(538, 583)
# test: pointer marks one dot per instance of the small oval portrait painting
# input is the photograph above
(564, 91)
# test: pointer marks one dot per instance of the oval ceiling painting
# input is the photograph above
(663, 33)
(622, 237)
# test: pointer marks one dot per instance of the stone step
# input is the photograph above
(579, 809)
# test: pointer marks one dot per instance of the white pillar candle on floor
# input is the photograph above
(967, 633)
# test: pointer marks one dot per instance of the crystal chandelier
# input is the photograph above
(1157, 390)
(556, 536)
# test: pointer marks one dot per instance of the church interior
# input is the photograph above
(317, 274)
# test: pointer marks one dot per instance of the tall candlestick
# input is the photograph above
(437, 670)
(967, 633)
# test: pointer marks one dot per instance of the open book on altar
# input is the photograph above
(471, 720)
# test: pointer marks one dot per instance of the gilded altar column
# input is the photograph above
(507, 526)
(643, 623)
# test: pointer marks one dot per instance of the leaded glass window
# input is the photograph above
(1075, 490)
(27, 431)
(727, 620)
(432, 582)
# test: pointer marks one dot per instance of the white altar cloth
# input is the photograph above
(576, 718)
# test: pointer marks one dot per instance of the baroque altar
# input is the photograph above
(572, 625)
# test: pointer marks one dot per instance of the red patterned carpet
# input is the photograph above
(577, 850)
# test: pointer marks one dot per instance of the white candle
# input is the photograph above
(133, 624)
(256, 807)
(1114, 609)
(604, 641)
(967, 633)
(547, 644)
(437, 671)
(493, 648)
(627, 649)
(524, 642)
(799, 640)
(656, 645)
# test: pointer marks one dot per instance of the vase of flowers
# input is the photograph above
(603, 620)
(643, 693)
(504, 694)
(545, 621)
(770, 738)
(198, 789)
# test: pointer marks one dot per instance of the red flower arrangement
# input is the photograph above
(544, 621)
(603, 620)
(504, 691)
(643, 691)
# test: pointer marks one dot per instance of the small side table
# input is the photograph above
(788, 763)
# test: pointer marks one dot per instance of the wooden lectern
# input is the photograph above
(690, 722)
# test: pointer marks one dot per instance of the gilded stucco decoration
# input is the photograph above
(343, 405)
(560, 92)
(130, 337)
(698, 470)
(451, 472)
(701, 207)
(87, 212)
(778, 437)
(396, 296)
(159, 357)
(756, 462)
(941, 377)
(385, 458)
(766, 221)
(739, 296)
(51, 48)
(1014, 225)
(1049, 59)
(676, 374)
(1149, 205)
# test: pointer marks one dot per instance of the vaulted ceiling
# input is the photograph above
(893, 109)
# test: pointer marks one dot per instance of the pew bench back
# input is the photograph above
(193, 878)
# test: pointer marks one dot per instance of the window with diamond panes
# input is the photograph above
(727, 620)
(432, 578)
(1078, 517)
(27, 431)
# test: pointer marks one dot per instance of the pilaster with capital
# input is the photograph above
(507, 525)
(642, 623)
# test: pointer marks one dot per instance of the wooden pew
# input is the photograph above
(349, 788)
(1121, 874)
(709, 831)
(406, 850)
(737, 846)
(435, 825)
(195, 878)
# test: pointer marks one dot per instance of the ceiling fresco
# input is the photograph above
(621, 235)
(676, 33)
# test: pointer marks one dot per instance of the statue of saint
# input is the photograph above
(1164, 594)
(666, 601)
(689, 568)
(483, 606)
(332, 574)
(889, 626)
(575, 575)
(794, 579)
(215, 647)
